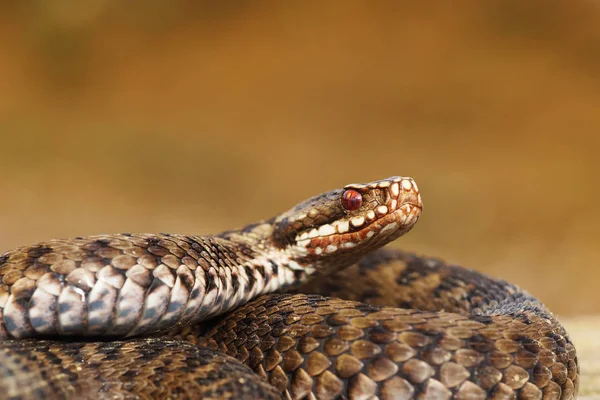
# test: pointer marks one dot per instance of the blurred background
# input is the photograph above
(200, 116)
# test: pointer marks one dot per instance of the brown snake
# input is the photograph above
(140, 316)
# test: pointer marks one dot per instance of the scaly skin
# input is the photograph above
(133, 284)
(491, 341)
(134, 369)
(458, 334)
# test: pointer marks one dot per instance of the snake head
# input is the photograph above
(335, 229)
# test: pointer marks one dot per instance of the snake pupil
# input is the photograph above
(351, 200)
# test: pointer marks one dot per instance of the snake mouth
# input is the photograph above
(392, 212)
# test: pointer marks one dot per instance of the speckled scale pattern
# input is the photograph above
(308, 345)
(497, 344)
(402, 279)
(509, 342)
(501, 345)
(122, 285)
(134, 369)
(392, 326)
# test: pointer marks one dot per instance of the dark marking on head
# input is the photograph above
(3, 259)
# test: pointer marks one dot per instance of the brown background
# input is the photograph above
(194, 117)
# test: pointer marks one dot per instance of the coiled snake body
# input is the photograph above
(244, 314)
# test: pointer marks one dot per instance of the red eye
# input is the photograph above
(351, 200)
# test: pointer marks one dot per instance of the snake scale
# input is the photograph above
(305, 305)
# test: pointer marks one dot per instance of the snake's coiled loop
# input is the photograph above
(429, 331)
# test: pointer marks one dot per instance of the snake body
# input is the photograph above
(245, 314)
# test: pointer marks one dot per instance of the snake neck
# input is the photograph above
(258, 265)
(132, 284)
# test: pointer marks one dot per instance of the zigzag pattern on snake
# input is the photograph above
(244, 314)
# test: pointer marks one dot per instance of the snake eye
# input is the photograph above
(351, 200)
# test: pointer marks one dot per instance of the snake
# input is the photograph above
(308, 304)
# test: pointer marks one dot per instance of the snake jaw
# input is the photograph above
(336, 228)
(394, 208)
